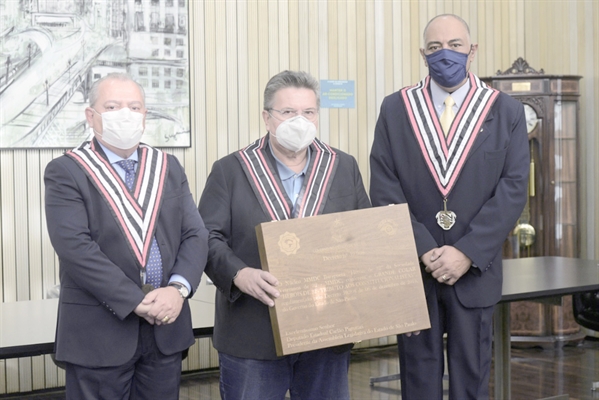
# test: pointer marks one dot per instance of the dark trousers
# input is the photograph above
(312, 375)
(148, 375)
(469, 350)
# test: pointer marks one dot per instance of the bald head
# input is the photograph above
(442, 18)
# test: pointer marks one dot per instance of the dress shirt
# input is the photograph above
(439, 95)
(292, 182)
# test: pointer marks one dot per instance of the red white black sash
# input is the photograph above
(445, 156)
(269, 190)
(136, 210)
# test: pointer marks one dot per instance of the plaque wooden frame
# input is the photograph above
(343, 278)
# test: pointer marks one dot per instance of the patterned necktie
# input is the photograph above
(448, 115)
(154, 265)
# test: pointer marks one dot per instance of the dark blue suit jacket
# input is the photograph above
(100, 281)
(487, 198)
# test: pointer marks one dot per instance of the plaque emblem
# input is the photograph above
(388, 226)
(289, 243)
(339, 232)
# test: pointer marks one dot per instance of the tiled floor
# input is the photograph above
(536, 373)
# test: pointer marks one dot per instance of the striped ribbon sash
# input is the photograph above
(445, 156)
(136, 210)
(269, 190)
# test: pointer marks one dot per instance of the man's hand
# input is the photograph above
(142, 310)
(165, 305)
(258, 284)
(446, 264)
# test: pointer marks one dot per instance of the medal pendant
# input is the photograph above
(445, 219)
(147, 288)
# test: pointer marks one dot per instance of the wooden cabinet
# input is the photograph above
(549, 225)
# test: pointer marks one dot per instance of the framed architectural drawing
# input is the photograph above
(51, 51)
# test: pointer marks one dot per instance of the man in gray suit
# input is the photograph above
(285, 174)
(132, 248)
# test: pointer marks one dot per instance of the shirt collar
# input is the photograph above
(439, 95)
(113, 158)
(284, 171)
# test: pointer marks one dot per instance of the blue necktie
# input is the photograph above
(154, 265)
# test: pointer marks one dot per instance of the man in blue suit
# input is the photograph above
(456, 151)
(132, 248)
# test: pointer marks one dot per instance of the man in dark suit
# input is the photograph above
(456, 151)
(285, 174)
(132, 248)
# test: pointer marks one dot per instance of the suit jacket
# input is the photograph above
(231, 212)
(100, 281)
(487, 198)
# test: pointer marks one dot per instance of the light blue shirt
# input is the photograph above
(113, 159)
(439, 95)
(292, 182)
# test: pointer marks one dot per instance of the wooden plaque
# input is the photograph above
(343, 278)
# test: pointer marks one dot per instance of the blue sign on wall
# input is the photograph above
(337, 94)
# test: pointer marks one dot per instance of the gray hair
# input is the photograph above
(446, 15)
(120, 76)
(285, 79)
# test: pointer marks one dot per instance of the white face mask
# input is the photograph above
(122, 129)
(296, 133)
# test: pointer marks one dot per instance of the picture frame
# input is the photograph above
(52, 51)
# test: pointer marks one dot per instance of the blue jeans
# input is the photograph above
(312, 375)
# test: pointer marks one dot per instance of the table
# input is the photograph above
(28, 327)
(534, 278)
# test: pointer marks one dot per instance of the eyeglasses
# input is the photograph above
(287, 113)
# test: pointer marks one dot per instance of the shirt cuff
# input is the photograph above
(180, 279)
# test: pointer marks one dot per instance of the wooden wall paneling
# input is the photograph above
(371, 106)
(304, 33)
(243, 77)
(195, 169)
(222, 117)
(21, 228)
(7, 215)
(353, 131)
(33, 224)
(47, 255)
(592, 15)
(12, 375)
(2, 377)
(212, 133)
(331, 127)
(382, 51)
(293, 39)
(404, 36)
(254, 100)
(283, 35)
(322, 69)
(273, 37)
(388, 32)
(230, 71)
(342, 71)
(362, 88)
(264, 71)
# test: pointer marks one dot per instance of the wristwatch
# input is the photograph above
(183, 291)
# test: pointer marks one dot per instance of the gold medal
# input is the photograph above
(445, 219)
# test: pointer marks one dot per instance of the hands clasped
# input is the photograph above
(161, 306)
(446, 264)
(258, 284)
